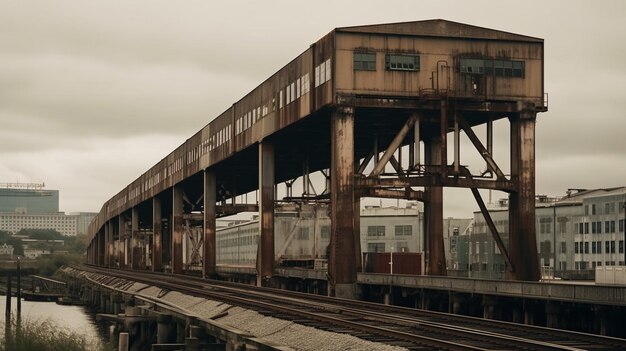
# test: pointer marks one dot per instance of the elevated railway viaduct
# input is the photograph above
(353, 101)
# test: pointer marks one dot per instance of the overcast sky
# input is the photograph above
(93, 93)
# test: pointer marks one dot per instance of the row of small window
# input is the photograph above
(596, 227)
(241, 241)
(400, 246)
(366, 61)
(596, 247)
(294, 90)
(400, 230)
(594, 264)
(499, 68)
(323, 73)
(609, 208)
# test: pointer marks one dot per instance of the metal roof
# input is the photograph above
(439, 28)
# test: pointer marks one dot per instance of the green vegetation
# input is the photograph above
(74, 248)
(45, 336)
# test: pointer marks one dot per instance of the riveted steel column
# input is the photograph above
(107, 247)
(157, 235)
(522, 231)
(210, 197)
(121, 224)
(101, 250)
(342, 261)
(177, 229)
(265, 257)
(134, 233)
(433, 212)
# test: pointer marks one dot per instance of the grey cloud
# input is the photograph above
(91, 87)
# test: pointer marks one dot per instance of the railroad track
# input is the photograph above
(410, 328)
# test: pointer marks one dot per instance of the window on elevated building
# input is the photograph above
(364, 61)
(402, 62)
(499, 68)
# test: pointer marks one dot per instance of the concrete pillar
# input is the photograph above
(177, 229)
(134, 240)
(265, 257)
(458, 304)
(552, 315)
(210, 197)
(164, 328)
(529, 315)
(123, 342)
(342, 261)
(433, 212)
(180, 333)
(490, 307)
(157, 235)
(522, 236)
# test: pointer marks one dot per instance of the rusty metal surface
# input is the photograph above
(522, 235)
(407, 263)
(294, 107)
(157, 235)
(177, 230)
(433, 213)
(265, 258)
(341, 267)
(210, 190)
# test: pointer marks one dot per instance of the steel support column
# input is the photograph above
(522, 235)
(177, 229)
(121, 224)
(265, 257)
(134, 238)
(157, 235)
(108, 243)
(341, 263)
(210, 198)
(433, 212)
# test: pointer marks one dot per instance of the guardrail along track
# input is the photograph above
(410, 328)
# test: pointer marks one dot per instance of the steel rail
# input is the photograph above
(297, 312)
(330, 304)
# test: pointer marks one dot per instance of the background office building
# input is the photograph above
(30, 206)
(575, 234)
(30, 198)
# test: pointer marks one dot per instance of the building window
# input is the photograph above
(376, 247)
(593, 227)
(621, 225)
(586, 228)
(364, 61)
(303, 234)
(587, 247)
(499, 68)
(593, 209)
(621, 246)
(612, 226)
(325, 232)
(563, 247)
(593, 247)
(404, 230)
(376, 230)
(402, 62)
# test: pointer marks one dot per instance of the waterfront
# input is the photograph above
(73, 318)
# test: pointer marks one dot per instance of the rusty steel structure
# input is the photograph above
(346, 108)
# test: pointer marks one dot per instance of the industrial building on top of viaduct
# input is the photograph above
(353, 101)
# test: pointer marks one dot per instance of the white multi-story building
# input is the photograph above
(575, 233)
(70, 224)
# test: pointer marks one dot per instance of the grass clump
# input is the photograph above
(44, 335)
